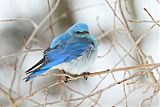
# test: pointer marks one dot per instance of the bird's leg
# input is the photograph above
(65, 77)
(70, 76)
(85, 73)
(74, 75)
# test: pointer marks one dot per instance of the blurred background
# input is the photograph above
(128, 35)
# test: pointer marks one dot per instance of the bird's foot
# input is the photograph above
(75, 75)
(84, 74)
(66, 79)
(69, 76)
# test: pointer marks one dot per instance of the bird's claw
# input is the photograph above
(84, 74)
(66, 79)
(75, 75)
(70, 76)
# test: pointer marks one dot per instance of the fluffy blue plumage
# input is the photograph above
(74, 51)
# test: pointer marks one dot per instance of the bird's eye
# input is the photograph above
(85, 32)
(78, 32)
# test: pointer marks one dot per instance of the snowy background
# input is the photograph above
(20, 18)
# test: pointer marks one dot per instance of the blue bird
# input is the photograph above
(74, 51)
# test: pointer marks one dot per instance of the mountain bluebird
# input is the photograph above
(74, 51)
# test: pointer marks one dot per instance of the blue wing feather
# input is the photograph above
(69, 51)
(61, 52)
(63, 38)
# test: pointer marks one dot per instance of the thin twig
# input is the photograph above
(50, 19)
(151, 16)
(20, 20)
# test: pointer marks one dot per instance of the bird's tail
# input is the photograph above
(35, 74)
(41, 67)
(36, 70)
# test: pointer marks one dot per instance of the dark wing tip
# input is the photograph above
(28, 72)
(42, 61)
(26, 79)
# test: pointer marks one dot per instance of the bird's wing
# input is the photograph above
(64, 53)
(60, 53)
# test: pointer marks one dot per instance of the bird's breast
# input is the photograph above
(82, 63)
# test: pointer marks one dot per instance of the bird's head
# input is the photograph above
(79, 29)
